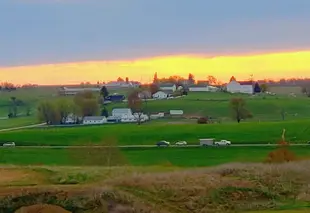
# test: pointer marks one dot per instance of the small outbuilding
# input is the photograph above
(94, 120)
(160, 95)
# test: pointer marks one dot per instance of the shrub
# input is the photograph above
(202, 120)
(281, 155)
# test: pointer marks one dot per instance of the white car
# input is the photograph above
(222, 143)
(181, 143)
(9, 144)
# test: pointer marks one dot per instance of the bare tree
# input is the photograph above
(136, 105)
(239, 111)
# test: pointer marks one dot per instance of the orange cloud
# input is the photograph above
(274, 65)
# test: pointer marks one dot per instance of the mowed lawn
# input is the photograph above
(17, 122)
(181, 157)
(133, 134)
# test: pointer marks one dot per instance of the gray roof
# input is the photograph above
(93, 118)
(167, 91)
(166, 85)
(197, 86)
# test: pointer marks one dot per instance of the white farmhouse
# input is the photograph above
(94, 120)
(160, 95)
(240, 87)
(125, 115)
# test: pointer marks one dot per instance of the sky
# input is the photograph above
(69, 41)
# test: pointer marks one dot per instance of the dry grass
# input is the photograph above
(227, 188)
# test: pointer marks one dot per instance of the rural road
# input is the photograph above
(22, 127)
(146, 146)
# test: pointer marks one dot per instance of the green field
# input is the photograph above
(17, 122)
(180, 157)
(216, 105)
(133, 134)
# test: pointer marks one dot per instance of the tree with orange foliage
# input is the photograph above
(212, 80)
(282, 154)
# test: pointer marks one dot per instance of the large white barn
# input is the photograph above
(246, 87)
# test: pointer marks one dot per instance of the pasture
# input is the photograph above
(177, 157)
(149, 134)
(216, 105)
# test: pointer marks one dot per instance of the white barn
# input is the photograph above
(240, 87)
(160, 95)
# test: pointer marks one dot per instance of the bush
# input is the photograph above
(202, 120)
(281, 155)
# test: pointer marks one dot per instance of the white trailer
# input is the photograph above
(206, 142)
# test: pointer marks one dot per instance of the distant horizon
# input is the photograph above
(273, 65)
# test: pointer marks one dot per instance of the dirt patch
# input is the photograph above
(11, 175)
(42, 208)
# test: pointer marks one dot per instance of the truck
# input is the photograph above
(211, 142)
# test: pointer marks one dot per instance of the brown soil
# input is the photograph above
(42, 208)
(71, 190)
(10, 175)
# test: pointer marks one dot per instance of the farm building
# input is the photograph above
(145, 94)
(115, 98)
(64, 91)
(240, 87)
(168, 87)
(125, 115)
(120, 112)
(121, 84)
(176, 112)
(160, 95)
(198, 88)
(94, 120)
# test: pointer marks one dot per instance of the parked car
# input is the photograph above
(181, 143)
(222, 143)
(9, 144)
(163, 143)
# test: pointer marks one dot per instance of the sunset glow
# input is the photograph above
(263, 66)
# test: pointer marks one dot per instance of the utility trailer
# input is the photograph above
(206, 142)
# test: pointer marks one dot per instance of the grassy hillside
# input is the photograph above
(264, 107)
(180, 157)
(216, 105)
(257, 188)
(132, 134)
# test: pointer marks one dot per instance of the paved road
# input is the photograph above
(22, 127)
(145, 146)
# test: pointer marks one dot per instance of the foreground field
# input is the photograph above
(132, 134)
(180, 157)
(250, 188)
